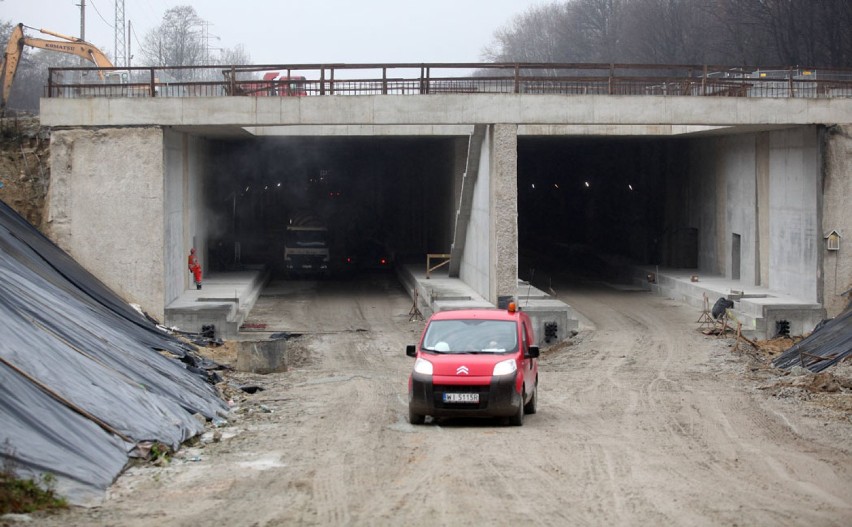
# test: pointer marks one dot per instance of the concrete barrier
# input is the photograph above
(263, 356)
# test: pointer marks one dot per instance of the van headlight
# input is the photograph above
(506, 367)
(423, 366)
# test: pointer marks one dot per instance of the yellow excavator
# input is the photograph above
(72, 45)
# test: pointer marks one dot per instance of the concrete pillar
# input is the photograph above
(837, 194)
(504, 211)
(723, 235)
(762, 189)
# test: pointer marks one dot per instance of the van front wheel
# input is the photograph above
(416, 419)
(518, 418)
(531, 407)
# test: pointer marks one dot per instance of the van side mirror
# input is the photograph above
(533, 352)
(411, 350)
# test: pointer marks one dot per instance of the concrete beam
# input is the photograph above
(450, 109)
(359, 130)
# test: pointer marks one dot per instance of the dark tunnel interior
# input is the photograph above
(587, 206)
(375, 199)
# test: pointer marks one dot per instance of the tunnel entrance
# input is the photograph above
(368, 201)
(590, 207)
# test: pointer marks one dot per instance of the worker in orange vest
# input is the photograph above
(195, 268)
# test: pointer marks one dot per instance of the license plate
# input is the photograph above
(461, 397)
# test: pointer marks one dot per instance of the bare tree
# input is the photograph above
(176, 41)
(835, 35)
(739, 35)
(810, 33)
(600, 24)
(538, 35)
(234, 56)
(666, 32)
(813, 33)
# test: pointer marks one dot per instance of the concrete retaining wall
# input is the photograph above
(476, 270)
(105, 208)
(185, 161)
(765, 189)
(794, 232)
(128, 204)
(702, 203)
(737, 170)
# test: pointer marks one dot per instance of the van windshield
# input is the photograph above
(471, 336)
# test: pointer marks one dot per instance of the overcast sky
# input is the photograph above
(303, 32)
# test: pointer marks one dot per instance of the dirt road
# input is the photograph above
(642, 421)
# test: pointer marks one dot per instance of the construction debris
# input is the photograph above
(829, 344)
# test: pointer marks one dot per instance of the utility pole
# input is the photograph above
(120, 50)
(82, 5)
(129, 42)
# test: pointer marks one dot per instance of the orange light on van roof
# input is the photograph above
(512, 307)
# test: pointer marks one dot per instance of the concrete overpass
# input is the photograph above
(746, 188)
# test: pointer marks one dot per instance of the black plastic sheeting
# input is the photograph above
(825, 347)
(82, 375)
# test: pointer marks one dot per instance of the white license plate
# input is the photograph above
(461, 397)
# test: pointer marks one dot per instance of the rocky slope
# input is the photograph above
(24, 166)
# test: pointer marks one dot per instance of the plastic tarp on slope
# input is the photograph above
(83, 377)
(823, 348)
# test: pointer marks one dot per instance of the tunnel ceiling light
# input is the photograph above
(279, 184)
(533, 186)
(556, 185)
(630, 187)
(587, 184)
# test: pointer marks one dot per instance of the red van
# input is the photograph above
(474, 363)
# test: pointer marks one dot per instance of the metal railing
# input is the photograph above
(463, 78)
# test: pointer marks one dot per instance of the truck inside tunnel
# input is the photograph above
(591, 206)
(374, 200)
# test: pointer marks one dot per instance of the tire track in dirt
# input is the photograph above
(641, 421)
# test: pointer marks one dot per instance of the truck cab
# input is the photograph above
(474, 363)
(306, 250)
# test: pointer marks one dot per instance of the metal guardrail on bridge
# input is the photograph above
(464, 78)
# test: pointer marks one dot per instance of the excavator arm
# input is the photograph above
(71, 45)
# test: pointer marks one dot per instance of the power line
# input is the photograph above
(136, 38)
(146, 13)
(92, 3)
